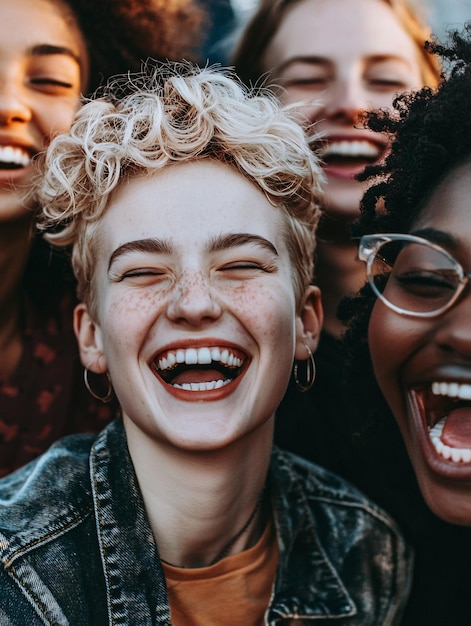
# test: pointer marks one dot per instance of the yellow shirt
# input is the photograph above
(234, 591)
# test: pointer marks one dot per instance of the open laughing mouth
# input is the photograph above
(204, 370)
(350, 153)
(13, 158)
(445, 409)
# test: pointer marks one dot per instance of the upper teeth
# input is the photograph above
(199, 356)
(452, 390)
(10, 154)
(357, 148)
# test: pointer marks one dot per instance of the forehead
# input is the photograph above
(32, 22)
(340, 29)
(449, 206)
(188, 204)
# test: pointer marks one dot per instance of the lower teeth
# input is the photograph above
(214, 384)
(457, 455)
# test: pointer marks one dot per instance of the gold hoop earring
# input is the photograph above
(109, 393)
(310, 375)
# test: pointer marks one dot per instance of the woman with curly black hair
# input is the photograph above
(51, 53)
(409, 337)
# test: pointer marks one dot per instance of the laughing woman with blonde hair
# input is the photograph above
(191, 206)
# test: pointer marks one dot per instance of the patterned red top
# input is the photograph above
(46, 398)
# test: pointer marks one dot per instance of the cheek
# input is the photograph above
(268, 313)
(56, 117)
(393, 342)
(306, 114)
(127, 319)
(386, 344)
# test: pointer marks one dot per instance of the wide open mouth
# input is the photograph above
(446, 412)
(359, 152)
(199, 369)
(14, 158)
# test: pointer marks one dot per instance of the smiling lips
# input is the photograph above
(447, 410)
(13, 157)
(199, 369)
(345, 158)
(358, 149)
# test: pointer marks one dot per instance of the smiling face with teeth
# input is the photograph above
(43, 67)
(423, 366)
(318, 57)
(197, 319)
(219, 365)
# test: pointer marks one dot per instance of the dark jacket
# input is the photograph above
(347, 429)
(76, 546)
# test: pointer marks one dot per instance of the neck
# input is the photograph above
(15, 245)
(203, 500)
(338, 273)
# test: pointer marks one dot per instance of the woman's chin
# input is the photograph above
(451, 503)
(342, 200)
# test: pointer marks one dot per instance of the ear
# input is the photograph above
(308, 323)
(90, 342)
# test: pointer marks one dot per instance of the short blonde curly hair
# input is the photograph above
(173, 113)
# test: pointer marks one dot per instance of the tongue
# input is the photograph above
(457, 430)
(197, 376)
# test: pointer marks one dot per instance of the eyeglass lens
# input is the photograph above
(421, 278)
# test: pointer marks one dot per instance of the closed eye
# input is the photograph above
(248, 266)
(427, 282)
(384, 83)
(51, 81)
(140, 276)
(304, 82)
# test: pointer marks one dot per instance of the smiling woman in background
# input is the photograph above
(51, 52)
(335, 59)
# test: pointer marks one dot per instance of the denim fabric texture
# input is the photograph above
(76, 547)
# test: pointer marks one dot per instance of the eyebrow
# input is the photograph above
(164, 246)
(319, 60)
(234, 240)
(439, 237)
(155, 246)
(309, 60)
(46, 49)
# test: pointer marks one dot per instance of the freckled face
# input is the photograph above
(423, 366)
(196, 309)
(344, 57)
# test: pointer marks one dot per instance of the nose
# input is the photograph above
(345, 100)
(454, 332)
(13, 103)
(193, 300)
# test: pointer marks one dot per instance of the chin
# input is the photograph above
(450, 502)
(343, 206)
(12, 208)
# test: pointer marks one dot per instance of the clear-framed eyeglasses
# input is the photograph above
(411, 275)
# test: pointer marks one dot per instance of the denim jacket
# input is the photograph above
(76, 547)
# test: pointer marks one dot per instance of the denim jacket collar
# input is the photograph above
(135, 580)
(325, 595)
(140, 585)
(102, 493)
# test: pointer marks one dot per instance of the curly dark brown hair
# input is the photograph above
(120, 34)
(432, 136)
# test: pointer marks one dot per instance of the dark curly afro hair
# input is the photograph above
(432, 136)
